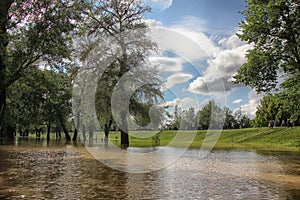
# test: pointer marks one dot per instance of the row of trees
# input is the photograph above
(211, 114)
(73, 39)
(277, 109)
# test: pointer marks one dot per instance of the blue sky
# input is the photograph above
(201, 52)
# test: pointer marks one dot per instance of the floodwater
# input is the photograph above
(32, 170)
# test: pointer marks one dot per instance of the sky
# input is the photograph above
(200, 52)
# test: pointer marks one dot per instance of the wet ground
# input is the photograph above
(34, 170)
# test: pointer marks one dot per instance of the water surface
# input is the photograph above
(32, 170)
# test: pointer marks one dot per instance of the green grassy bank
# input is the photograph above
(280, 138)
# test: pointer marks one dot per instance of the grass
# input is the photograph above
(280, 138)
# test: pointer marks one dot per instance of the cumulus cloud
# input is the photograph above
(210, 86)
(189, 41)
(196, 43)
(250, 108)
(177, 78)
(218, 75)
(237, 101)
(186, 103)
(167, 64)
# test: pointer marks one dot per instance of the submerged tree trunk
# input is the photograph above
(106, 133)
(124, 132)
(107, 127)
(83, 133)
(48, 131)
(91, 134)
(74, 139)
(66, 132)
(63, 125)
(10, 131)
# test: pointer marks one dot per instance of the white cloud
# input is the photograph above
(237, 101)
(192, 23)
(177, 78)
(190, 43)
(250, 108)
(194, 45)
(159, 4)
(218, 75)
(186, 103)
(167, 64)
(230, 42)
(210, 86)
(153, 23)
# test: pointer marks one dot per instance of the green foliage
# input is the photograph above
(32, 34)
(272, 27)
(41, 97)
(211, 116)
(38, 32)
(279, 107)
(230, 122)
(115, 34)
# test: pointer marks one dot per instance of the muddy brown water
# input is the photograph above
(34, 170)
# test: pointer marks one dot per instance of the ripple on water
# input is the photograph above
(71, 173)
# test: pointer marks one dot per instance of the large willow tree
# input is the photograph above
(115, 30)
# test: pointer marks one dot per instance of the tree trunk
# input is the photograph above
(48, 131)
(124, 139)
(83, 133)
(75, 135)
(4, 8)
(2, 101)
(63, 125)
(10, 131)
(124, 132)
(91, 134)
(107, 127)
(106, 132)
(66, 132)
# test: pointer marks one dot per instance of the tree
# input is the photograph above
(230, 121)
(190, 119)
(242, 120)
(31, 33)
(273, 29)
(116, 30)
(211, 116)
(41, 98)
(276, 107)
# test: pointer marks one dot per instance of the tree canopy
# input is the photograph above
(273, 64)
(272, 27)
(34, 33)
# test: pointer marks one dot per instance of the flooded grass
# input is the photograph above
(35, 170)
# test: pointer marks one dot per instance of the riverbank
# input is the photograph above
(277, 139)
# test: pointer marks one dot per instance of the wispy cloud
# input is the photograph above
(159, 4)
(237, 101)
(177, 79)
